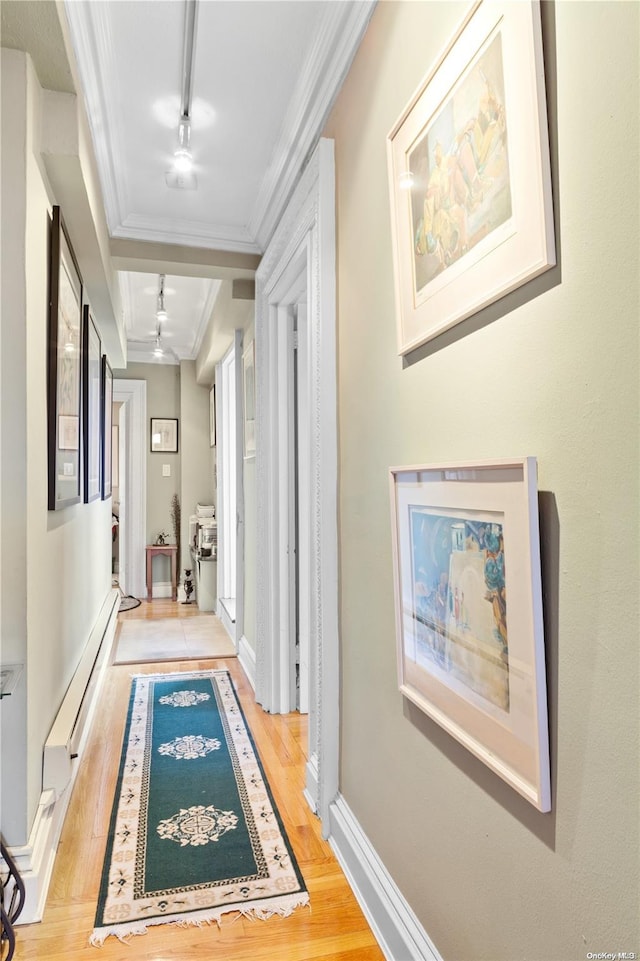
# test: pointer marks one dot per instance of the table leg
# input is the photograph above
(149, 575)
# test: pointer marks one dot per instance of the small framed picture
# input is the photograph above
(164, 435)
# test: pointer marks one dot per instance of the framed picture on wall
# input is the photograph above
(470, 176)
(164, 435)
(91, 408)
(212, 416)
(469, 625)
(65, 343)
(107, 421)
(249, 383)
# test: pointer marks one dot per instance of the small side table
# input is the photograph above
(171, 551)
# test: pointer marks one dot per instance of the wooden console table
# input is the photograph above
(171, 551)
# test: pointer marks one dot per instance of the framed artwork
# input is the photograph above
(164, 435)
(470, 176)
(107, 423)
(91, 408)
(249, 380)
(212, 417)
(469, 622)
(64, 370)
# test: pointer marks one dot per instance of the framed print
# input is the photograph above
(249, 380)
(64, 371)
(107, 421)
(469, 623)
(212, 417)
(470, 176)
(91, 408)
(164, 435)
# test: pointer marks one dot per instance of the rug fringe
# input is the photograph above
(253, 911)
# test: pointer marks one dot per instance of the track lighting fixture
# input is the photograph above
(161, 313)
(182, 159)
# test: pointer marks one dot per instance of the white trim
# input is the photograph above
(161, 589)
(311, 783)
(247, 658)
(186, 232)
(396, 927)
(133, 394)
(305, 236)
(35, 859)
(225, 620)
(93, 48)
(327, 63)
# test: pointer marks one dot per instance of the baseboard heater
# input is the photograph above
(65, 739)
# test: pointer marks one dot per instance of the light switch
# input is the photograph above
(166, 470)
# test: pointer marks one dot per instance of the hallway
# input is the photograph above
(332, 929)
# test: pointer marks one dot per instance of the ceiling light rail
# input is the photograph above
(183, 161)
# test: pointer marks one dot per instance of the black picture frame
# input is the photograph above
(64, 370)
(91, 408)
(163, 435)
(107, 417)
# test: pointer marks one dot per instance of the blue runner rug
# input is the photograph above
(194, 830)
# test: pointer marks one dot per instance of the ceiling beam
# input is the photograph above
(181, 261)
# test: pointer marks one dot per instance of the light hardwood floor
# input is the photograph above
(332, 929)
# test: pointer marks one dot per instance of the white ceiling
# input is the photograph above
(265, 75)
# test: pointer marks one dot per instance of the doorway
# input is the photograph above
(118, 496)
(226, 391)
(296, 277)
(132, 423)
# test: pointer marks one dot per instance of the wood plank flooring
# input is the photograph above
(332, 929)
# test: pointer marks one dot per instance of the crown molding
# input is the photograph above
(186, 233)
(207, 310)
(91, 38)
(138, 354)
(337, 41)
(126, 295)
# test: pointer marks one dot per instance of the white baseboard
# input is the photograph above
(225, 620)
(311, 783)
(247, 658)
(161, 589)
(35, 859)
(399, 933)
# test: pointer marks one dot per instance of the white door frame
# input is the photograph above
(229, 481)
(133, 395)
(303, 241)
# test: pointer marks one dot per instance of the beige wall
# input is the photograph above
(55, 565)
(551, 371)
(196, 474)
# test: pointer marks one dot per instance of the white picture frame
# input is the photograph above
(470, 174)
(469, 625)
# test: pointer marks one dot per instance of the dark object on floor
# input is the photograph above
(11, 901)
(188, 587)
(128, 603)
